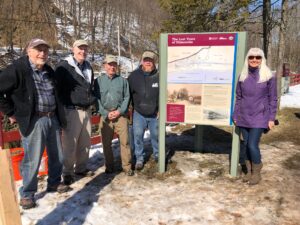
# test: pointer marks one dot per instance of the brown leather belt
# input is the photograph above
(43, 114)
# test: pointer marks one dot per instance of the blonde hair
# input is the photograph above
(265, 73)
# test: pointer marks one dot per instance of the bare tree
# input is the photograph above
(281, 46)
(266, 25)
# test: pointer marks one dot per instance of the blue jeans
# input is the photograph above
(46, 133)
(250, 143)
(140, 123)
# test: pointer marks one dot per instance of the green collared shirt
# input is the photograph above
(112, 94)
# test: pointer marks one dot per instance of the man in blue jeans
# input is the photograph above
(144, 90)
(28, 96)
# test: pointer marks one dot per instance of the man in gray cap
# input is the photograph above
(75, 82)
(28, 96)
(144, 90)
(112, 92)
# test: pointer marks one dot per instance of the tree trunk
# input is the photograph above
(281, 46)
(266, 25)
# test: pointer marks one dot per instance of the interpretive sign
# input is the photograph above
(201, 78)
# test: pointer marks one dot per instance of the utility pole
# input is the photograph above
(130, 52)
(119, 50)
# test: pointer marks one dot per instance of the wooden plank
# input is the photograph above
(9, 208)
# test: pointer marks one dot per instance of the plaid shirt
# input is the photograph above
(83, 68)
(45, 90)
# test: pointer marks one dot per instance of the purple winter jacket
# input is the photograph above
(256, 103)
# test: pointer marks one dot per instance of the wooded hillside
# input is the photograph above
(271, 24)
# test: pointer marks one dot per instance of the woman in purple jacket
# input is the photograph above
(255, 109)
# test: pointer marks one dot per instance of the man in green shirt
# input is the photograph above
(112, 92)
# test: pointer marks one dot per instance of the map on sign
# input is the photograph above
(200, 64)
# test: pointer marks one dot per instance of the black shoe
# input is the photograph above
(139, 166)
(86, 173)
(68, 179)
(27, 203)
(109, 170)
(129, 173)
(60, 188)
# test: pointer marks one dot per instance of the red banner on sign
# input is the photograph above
(175, 113)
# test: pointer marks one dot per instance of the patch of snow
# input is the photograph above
(292, 98)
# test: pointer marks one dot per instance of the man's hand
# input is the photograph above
(113, 115)
(12, 119)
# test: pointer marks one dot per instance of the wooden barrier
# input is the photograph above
(14, 135)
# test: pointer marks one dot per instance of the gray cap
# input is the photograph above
(78, 43)
(149, 54)
(37, 41)
(110, 59)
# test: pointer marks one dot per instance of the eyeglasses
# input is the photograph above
(253, 56)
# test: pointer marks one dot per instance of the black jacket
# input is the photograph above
(18, 94)
(144, 91)
(73, 89)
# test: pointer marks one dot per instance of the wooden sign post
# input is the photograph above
(9, 208)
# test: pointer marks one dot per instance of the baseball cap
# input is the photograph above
(78, 43)
(37, 41)
(110, 59)
(149, 54)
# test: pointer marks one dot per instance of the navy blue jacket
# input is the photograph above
(144, 91)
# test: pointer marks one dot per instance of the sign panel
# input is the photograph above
(200, 78)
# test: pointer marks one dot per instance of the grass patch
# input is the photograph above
(293, 162)
(288, 128)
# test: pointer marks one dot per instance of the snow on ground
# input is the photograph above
(292, 98)
(196, 190)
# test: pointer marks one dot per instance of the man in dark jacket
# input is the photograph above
(28, 96)
(75, 78)
(144, 90)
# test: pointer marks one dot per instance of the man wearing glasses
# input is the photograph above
(28, 96)
(75, 82)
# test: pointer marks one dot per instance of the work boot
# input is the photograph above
(255, 177)
(139, 166)
(109, 170)
(60, 188)
(68, 179)
(129, 172)
(247, 176)
(86, 173)
(27, 203)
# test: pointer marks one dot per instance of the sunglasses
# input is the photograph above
(256, 57)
